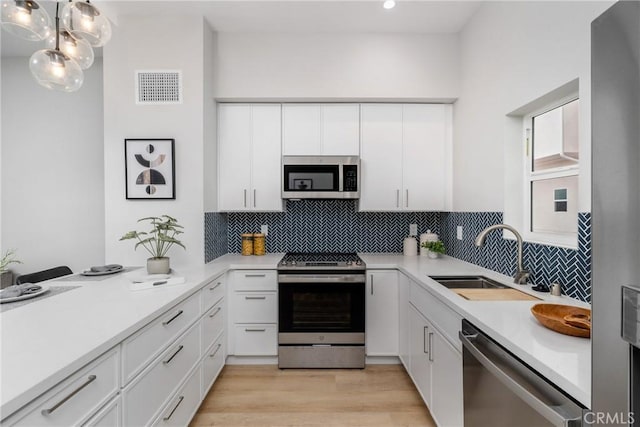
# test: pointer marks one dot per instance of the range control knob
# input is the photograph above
(349, 262)
(293, 262)
(359, 262)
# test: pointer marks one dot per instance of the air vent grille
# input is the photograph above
(158, 87)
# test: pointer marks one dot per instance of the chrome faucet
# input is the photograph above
(521, 275)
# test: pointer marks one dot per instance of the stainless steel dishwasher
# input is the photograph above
(501, 390)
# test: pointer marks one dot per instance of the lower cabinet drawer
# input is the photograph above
(212, 364)
(212, 325)
(109, 416)
(150, 391)
(255, 307)
(73, 401)
(184, 404)
(212, 292)
(256, 340)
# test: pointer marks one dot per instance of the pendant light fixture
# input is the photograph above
(84, 20)
(77, 49)
(53, 69)
(25, 19)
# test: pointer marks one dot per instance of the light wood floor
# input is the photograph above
(380, 395)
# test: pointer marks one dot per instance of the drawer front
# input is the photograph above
(109, 416)
(145, 345)
(150, 391)
(256, 340)
(254, 280)
(212, 364)
(255, 307)
(442, 317)
(77, 398)
(212, 325)
(183, 405)
(212, 293)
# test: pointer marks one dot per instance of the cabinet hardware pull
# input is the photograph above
(424, 340)
(216, 312)
(372, 284)
(215, 352)
(254, 330)
(245, 198)
(430, 348)
(254, 198)
(174, 409)
(255, 275)
(397, 198)
(407, 199)
(255, 297)
(166, 362)
(216, 286)
(90, 379)
(172, 319)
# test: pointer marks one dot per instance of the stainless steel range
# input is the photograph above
(321, 310)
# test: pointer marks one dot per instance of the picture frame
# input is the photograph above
(149, 169)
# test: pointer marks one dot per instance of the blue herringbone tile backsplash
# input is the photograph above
(336, 226)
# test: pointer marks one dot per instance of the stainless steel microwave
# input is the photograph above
(320, 177)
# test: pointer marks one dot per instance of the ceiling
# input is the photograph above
(294, 16)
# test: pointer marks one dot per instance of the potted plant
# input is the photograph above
(158, 241)
(6, 276)
(435, 248)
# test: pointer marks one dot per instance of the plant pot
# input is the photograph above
(433, 255)
(6, 279)
(158, 265)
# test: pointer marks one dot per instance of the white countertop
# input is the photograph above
(564, 360)
(45, 341)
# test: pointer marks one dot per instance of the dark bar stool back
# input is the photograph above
(43, 275)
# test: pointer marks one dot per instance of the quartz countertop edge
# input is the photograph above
(81, 314)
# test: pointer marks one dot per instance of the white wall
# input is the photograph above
(209, 158)
(512, 53)
(52, 170)
(337, 66)
(141, 43)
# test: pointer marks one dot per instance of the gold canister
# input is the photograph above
(247, 244)
(258, 244)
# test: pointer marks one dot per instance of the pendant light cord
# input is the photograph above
(57, 27)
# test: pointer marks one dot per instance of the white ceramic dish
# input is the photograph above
(44, 289)
(101, 273)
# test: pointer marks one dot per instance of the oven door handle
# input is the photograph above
(558, 415)
(321, 278)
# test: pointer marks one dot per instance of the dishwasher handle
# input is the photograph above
(558, 415)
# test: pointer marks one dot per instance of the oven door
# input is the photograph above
(321, 309)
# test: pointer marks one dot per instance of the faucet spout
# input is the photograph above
(521, 275)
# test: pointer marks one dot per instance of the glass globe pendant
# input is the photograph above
(77, 49)
(25, 19)
(53, 69)
(84, 20)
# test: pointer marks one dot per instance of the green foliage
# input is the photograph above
(160, 238)
(437, 246)
(8, 258)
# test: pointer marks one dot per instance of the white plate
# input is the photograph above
(101, 273)
(44, 289)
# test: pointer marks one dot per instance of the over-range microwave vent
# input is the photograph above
(158, 87)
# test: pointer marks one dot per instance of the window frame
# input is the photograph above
(568, 240)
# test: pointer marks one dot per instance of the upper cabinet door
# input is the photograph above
(301, 127)
(266, 161)
(234, 162)
(425, 156)
(341, 129)
(381, 157)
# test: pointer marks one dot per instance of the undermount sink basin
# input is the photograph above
(468, 282)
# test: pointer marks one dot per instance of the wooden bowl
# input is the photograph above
(554, 317)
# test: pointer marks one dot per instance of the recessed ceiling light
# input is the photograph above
(389, 4)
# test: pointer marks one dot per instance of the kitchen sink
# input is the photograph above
(468, 282)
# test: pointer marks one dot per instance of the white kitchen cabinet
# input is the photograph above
(249, 157)
(382, 313)
(321, 129)
(253, 320)
(419, 364)
(405, 155)
(109, 416)
(447, 406)
(403, 320)
(184, 404)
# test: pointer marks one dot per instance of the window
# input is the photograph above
(552, 170)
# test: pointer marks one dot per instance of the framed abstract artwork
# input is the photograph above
(149, 169)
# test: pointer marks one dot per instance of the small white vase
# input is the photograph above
(433, 255)
(158, 265)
